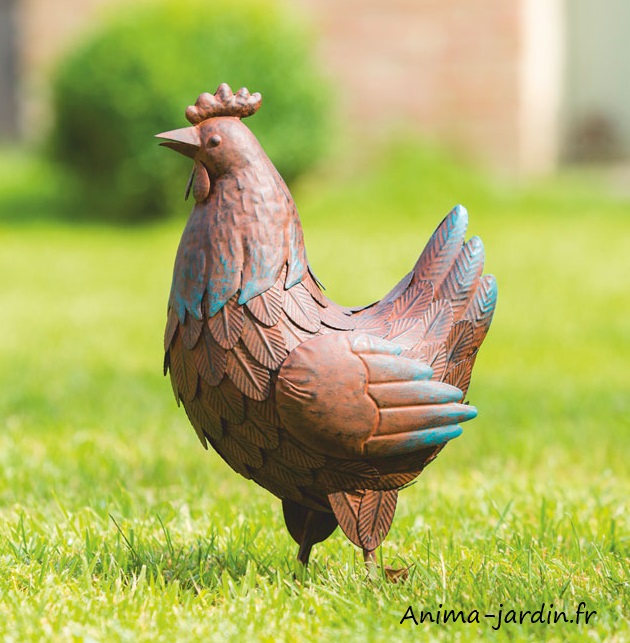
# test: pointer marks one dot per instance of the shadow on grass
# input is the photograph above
(205, 566)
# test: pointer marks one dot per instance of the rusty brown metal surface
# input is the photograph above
(330, 409)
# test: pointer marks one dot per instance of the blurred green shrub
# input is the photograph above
(135, 77)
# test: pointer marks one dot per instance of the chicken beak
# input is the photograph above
(186, 141)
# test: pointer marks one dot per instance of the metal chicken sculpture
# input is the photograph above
(331, 409)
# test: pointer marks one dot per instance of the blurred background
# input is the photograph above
(527, 85)
(521, 89)
(381, 115)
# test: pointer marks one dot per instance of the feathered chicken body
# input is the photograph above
(330, 409)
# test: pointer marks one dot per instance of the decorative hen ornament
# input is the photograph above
(331, 409)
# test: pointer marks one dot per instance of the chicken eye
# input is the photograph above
(214, 140)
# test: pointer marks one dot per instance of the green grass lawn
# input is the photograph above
(115, 525)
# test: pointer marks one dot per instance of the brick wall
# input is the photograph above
(449, 68)
(48, 29)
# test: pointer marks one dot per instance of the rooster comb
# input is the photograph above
(224, 103)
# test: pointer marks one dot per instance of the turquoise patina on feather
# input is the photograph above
(239, 238)
(189, 282)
